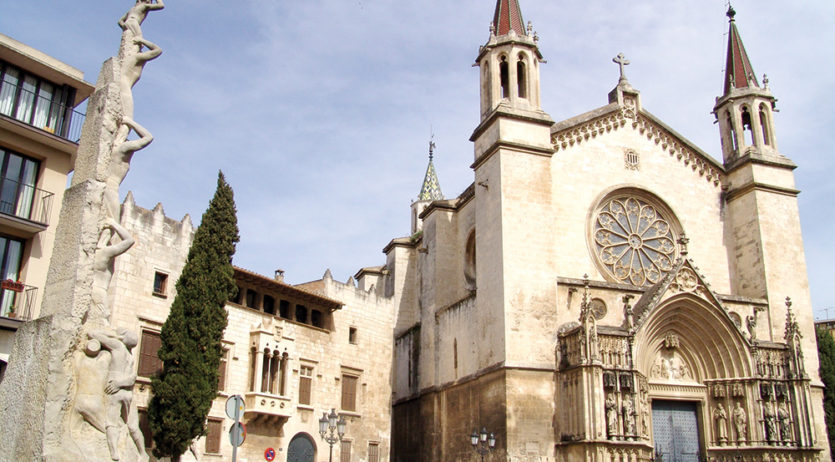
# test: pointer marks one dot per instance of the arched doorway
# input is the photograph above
(301, 449)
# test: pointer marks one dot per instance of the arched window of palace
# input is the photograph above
(504, 75)
(633, 237)
(522, 77)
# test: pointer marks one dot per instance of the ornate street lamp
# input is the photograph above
(329, 424)
(483, 442)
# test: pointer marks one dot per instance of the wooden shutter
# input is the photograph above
(373, 452)
(149, 363)
(213, 436)
(345, 452)
(145, 428)
(349, 393)
(221, 372)
(304, 389)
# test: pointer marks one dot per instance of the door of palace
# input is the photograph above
(675, 429)
(301, 449)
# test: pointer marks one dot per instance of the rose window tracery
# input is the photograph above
(633, 241)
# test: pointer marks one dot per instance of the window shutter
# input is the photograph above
(345, 452)
(213, 436)
(221, 373)
(373, 452)
(304, 390)
(149, 362)
(349, 393)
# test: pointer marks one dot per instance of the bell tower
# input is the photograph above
(745, 109)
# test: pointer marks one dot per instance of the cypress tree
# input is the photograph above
(826, 355)
(191, 336)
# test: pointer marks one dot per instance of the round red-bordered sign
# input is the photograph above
(269, 454)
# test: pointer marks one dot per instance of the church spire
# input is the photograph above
(431, 189)
(508, 17)
(738, 70)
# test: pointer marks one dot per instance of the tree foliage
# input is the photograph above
(191, 336)
(826, 355)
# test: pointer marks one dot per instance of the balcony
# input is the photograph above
(43, 112)
(24, 207)
(267, 408)
(17, 300)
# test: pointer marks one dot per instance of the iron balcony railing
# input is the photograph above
(18, 304)
(40, 112)
(25, 201)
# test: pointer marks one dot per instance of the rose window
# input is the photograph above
(633, 241)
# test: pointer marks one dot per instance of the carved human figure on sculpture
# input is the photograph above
(612, 416)
(720, 418)
(91, 367)
(119, 389)
(770, 423)
(132, 65)
(106, 253)
(740, 423)
(133, 19)
(120, 157)
(785, 422)
(629, 417)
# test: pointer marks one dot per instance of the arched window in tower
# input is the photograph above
(734, 142)
(470, 261)
(764, 124)
(747, 129)
(522, 77)
(504, 74)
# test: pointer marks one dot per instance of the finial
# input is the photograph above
(621, 61)
(431, 147)
(788, 303)
(535, 37)
(765, 81)
(731, 12)
(530, 27)
(492, 29)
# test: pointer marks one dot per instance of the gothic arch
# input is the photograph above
(706, 340)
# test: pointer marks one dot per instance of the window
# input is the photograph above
(160, 283)
(11, 254)
(305, 383)
(301, 314)
(316, 318)
(284, 309)
(349, 392)
(273, 368)
(505, 77)
(250, 298)
(521, 77)
(269, 304)
(345, 451)
(373, 452)
(237, 297)
(35, 101)
(214, 429)
(18, 177)
(221, 370)
(149, 362)
(764, 124)
(746, 126)
(352, 335)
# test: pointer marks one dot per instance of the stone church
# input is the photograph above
(605, 290)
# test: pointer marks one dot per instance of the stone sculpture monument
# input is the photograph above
(67, 394)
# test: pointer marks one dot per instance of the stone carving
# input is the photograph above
(793, 338)
(719, 391)
(119, 388)
(590, 346)
(633, 241)
(785, 422)
(671, 341)
(720, 420)
(628, 312)
(133, 62)
(91, 370)
(629, 415)
(106, 253)
(133, 19)
(120, 162)
(770, 417)
(671, 368)
(740, 421)
(751, 322)
(737, 390)
(612, 416)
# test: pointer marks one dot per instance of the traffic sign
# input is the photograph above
(269, 454)
(237, 434)
(233, 402)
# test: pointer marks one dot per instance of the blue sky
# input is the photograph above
(319, 112)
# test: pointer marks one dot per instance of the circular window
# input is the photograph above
(633, 240)
(598, 308)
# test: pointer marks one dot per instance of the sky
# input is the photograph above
(319, 112)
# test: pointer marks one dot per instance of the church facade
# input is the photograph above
(605, 290)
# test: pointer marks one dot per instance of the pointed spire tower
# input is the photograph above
(429, 191)
(745, 110)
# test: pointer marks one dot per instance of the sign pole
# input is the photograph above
(235, 433)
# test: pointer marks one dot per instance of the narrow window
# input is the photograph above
(301, 314)
(250, 298)
(282, 374)
(253, 366)
(236, 299)
(455, 355)
(746, 126)
(269, 305)
(265, 372)
(160, 284)
(11, 254)
(221, 371)
(284, 309)
(149, 363)
(764, 125)
(316, 318)
(522, 78)
(349, 392)
(345, 451)
(305, 383)
(374, 452)
(275, 368)
(214, 429)
(505, 77)
(352, 335)
(731, 130)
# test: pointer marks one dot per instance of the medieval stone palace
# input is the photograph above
(604, 290)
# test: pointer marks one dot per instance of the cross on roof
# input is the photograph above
(621, 61)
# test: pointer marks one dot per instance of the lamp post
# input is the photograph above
(483, 442)
(329, 424)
